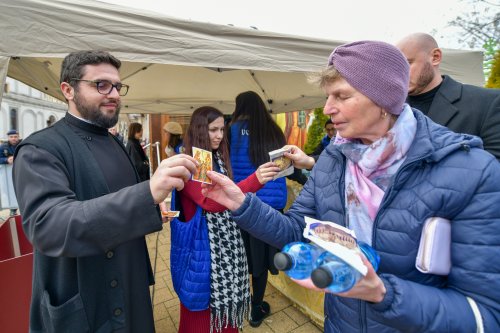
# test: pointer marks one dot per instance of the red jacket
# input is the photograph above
(191, 196)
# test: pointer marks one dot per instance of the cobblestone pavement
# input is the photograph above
(284, 316)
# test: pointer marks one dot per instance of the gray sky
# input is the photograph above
(387, 20)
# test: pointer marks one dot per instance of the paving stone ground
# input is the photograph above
(284, 318)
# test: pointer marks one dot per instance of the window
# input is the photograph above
(13, 119)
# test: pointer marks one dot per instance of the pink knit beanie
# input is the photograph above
(377, 69)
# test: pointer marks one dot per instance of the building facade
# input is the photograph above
(27, 110)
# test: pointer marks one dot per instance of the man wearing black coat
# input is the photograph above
(85, 211)
(460, 107)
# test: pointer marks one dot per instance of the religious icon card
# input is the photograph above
(204, 158)
(284, 163)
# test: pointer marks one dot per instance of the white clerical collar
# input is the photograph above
(82, 119)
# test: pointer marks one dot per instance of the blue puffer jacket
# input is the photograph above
(274, 192)
(445, 175)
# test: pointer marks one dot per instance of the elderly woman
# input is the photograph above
(389, 169)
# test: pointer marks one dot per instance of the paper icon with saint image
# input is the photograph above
(204, 158)
(284, 163)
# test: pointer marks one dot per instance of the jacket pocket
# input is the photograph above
(68, 317)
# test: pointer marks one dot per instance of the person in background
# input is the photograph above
(136, 152)
(86, 212)
(389, 169)
(173, 138)
(9, 147)
(7, 150)
(330, 134)
(229, 290)
(113, 130)
(460, 107)
(253, 134)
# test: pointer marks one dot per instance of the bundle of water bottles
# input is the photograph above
(302, 261)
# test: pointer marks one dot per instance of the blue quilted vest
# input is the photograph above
(190, 258)
(274, 192)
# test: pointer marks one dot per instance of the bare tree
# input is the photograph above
(481, 29)
(481, 25)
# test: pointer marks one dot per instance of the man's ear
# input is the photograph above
(67, 90)
(437, 55)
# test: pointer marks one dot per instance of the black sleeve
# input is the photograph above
(298, 176)
(58, 224)
(317, 151)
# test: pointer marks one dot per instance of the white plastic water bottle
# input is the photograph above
(336, 275)
(298, 259)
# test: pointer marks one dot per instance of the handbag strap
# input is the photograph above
(477, 315)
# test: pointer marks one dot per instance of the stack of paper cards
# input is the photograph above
(284, 163)
(204, 158)
(170, 213)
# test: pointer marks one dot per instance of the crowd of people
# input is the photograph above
(402, 144)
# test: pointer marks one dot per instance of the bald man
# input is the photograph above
(460, 107)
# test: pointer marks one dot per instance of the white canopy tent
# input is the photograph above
(174, 66)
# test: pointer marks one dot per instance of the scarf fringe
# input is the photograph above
(229, 278)
(232, 316)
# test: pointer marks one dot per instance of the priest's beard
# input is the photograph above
(92, 112)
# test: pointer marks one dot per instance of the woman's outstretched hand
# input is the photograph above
(223, 190)
(300, 159)
(266, 172)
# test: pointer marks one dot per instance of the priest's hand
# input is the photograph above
(172, 173)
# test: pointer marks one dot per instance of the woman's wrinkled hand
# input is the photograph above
(266, 172)
(370, 288)
(223, 190)
(300, 159)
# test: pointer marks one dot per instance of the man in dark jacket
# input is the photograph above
(8, 148)
(460, 107)
(85, 211)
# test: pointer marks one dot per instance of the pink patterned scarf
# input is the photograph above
(370, 169)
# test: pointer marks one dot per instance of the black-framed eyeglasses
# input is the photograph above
(105, 87)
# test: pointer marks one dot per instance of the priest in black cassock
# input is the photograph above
(86, 212)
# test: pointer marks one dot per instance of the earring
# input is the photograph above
(384, 114)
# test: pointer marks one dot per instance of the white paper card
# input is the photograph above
(337, 240)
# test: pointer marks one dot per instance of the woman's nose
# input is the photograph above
(329, 106)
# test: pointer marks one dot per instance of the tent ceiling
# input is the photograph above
(174, 66)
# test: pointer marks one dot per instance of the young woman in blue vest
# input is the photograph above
(227, 284)
(253, 134)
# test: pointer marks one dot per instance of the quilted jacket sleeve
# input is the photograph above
(475, 273)
(269, 225)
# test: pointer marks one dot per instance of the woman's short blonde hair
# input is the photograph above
(325, 77)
